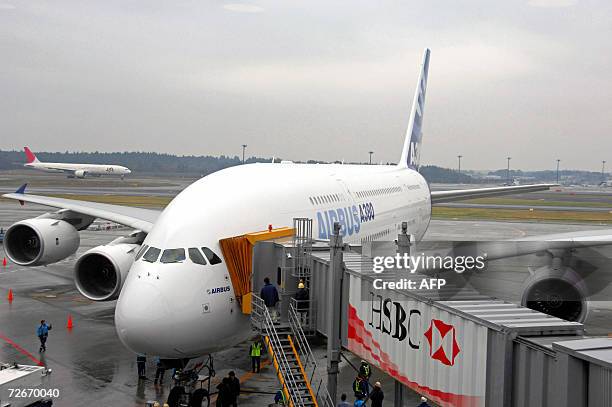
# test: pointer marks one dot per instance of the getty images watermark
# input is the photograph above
(398, 264)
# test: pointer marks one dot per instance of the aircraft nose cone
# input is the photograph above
(143, 319)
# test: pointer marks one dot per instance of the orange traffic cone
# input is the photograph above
(10, 295)
(4, 262)
(69, 324)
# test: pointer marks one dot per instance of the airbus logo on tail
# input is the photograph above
(413, 154)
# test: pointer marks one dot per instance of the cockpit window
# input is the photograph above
(211, 256)
(151, 255)
(141, 251)
(196, 256)
(173, 256)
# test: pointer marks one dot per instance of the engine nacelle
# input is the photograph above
(560, 292)
(100, 272)
(79, 174)
(40, 241)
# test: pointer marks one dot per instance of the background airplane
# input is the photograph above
(74, 170)
(163, 273)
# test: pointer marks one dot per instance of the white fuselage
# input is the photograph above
(170, 309)
(80, 170)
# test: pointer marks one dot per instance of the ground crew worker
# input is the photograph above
(302, 297)
(359, 388)
(424, 402)
(255, 354)
(43, 333)
(377, 396)
(234, 384)
(280, 398)
(160, 371)
(365, 370)
(141, 363)
(269, 294)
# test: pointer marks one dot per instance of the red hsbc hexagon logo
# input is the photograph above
(442, 340)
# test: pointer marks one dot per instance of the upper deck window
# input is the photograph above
(173, 256)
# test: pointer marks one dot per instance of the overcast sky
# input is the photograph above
(311, 80)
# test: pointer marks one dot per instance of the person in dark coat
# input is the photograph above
(269, 294)
(141, 362)
(160, 371)
(234, 384)
(302, 297)
(224, 393)
(377, 396)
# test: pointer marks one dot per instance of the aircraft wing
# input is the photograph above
(137, 218)
(462, 194)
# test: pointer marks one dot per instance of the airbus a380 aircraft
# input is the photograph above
(165, 272)
(74, 170)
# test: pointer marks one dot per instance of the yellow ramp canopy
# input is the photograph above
(238, 253)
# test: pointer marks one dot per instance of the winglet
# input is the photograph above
(412, 144)
(21, 189)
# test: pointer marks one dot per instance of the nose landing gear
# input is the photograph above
(192, 383)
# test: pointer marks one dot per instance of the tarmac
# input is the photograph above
(89, 363)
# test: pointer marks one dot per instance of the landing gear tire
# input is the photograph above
(175, 396)
(198, 396)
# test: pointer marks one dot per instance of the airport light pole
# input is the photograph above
(370, 152)
(603, 168)
(558, 161)
(459, 168)
(244, 146)
(508, 170)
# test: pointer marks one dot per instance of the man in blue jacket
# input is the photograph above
(43, 333)
(269, 294)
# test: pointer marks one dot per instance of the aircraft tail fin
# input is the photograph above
(412, 143)
(30, 156)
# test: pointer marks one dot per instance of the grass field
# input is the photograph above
(439, 212)
(126, 200)
(535, 215)
(541, 202)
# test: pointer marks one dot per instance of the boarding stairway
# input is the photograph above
(292, 357)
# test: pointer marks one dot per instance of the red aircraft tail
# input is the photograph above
(30, 156)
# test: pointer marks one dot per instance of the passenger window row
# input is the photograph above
(376, 236)
(151, 254)
(377, 192)
(326, 199)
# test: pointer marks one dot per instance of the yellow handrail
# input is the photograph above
(297, 357)
(285, 390)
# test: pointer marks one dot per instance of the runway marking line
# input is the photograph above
(21, 350)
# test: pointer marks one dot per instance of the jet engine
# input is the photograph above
(100, 272)
(79, 174)
(40, 241)
(557, 291)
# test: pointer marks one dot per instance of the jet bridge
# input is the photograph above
(456, 346)
(238, 254)
(453, 345)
